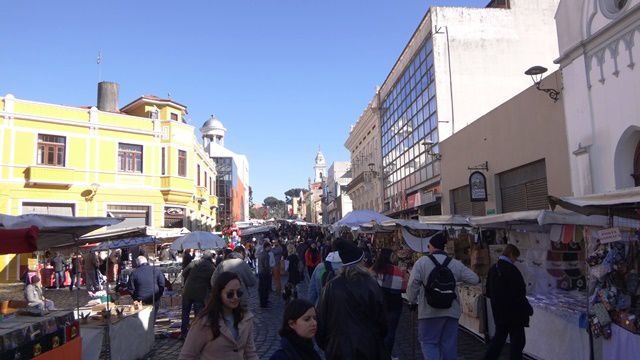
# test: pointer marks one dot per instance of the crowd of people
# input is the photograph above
(351, 309)
(354, 301)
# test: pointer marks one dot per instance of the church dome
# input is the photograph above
(213, 125)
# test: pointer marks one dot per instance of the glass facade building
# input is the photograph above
(224, 188)
(409, 117)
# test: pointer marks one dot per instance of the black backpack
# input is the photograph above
(440, 290)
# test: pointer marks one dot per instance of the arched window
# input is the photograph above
(636, 166)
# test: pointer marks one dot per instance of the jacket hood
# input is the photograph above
(334, 258)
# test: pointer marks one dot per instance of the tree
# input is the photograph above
(294, 192)
(277, 208)
(250, 198)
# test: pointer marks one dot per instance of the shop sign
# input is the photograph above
(491, 211)
(478, 186)
(609, 235)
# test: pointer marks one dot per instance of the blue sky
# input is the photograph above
(284, 76)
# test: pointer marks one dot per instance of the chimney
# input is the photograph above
(108, 96)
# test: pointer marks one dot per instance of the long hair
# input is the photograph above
(294, 310)
(383, 261)
(213, 311)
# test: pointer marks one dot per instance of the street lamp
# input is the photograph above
(536, 73)
(428, 146)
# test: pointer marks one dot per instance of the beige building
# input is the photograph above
(523, 142)
(365, 187)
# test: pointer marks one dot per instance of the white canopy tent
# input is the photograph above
(357, 218)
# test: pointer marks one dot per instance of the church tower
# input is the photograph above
(320, 167)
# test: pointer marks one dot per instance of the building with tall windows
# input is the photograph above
(459, 64)
(365, 188)
(232, 182)
(141, 162)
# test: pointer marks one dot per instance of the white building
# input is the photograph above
(598, 41)
(459, 64)
(336, 203)
(232, 181)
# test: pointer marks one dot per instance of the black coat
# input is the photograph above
(352, 320)
(145, 282)
(288, 352)
(507, 291)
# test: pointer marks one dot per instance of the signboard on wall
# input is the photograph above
(477, 186)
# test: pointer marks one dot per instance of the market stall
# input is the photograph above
(554, 247)
(32, 332)
(613, 258)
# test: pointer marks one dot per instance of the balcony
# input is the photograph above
(355, 182)
(49, 175)
(177, 190)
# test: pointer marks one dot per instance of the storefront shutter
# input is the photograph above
(462, 204)
(524, 188)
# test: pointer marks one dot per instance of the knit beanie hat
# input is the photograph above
(438, 241)
(349, 252)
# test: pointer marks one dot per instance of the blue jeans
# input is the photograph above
(75, 280)
(438, 338)
(187, 304)
(59, 279)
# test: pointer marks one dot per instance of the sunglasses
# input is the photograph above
(234, 293)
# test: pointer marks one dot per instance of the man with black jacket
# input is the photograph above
(146, 283)
(511, 309)
(352, 321)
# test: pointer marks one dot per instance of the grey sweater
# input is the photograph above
(419, 275)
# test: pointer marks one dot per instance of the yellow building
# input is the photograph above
(141, 162)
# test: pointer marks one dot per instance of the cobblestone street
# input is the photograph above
(267, 339)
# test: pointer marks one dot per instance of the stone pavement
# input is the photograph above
(267, 323)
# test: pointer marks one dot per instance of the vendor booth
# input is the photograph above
(29, 332)
(613, 259)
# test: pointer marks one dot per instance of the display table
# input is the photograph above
(554, 332)
(131, 337)
(622, 344)
(29, 336)
(69, 351)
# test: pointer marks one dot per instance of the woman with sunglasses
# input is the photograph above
(299, 326)
(224, 329)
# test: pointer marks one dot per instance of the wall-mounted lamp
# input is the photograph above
(428, 146)
(91, 192)
(536, 73)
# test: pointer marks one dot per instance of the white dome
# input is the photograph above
(213, 125)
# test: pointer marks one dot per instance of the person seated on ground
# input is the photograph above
(299, 326)
(34, 296)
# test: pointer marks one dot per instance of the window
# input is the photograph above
(51, 150)
(130, 158)
(133, 215)
(205, 179)
(182, 163)
(164, 161)
(211, 185)
(198, 170)
(48, 208)
(174, 116)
